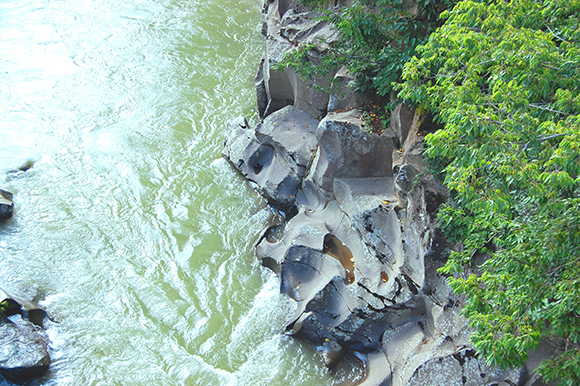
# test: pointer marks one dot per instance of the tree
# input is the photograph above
(503, 78)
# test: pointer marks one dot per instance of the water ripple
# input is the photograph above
(137, 231)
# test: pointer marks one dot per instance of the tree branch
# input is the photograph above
(534, 105)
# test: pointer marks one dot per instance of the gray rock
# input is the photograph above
(309, 229)
(439, 371)
(343, 95)
(275, 155)
(404, 182)
(304, 272)
(23, 300)
(6, 204)
(463, 369)
(356, 195)
(405, 178)
(402, 119)
(333, 304)
(346, 151)
(331, 352)
(23, 344)
(288, 26)
(381, 232)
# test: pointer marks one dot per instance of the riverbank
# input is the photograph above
(353, 230)
(135, 230)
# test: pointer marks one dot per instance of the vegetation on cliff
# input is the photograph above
(503, 79)
(377, 37)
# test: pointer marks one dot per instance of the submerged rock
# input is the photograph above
(24, 302)
(23, 344)
(23, 350)
(23, 168)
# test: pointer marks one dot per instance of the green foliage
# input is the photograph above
(454, 222)
(503, 78)
(9, 307)
(315, 3)
(299, 61)
(566, 367)
(4, 305)
(377, 37)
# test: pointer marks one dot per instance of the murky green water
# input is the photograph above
(138, 233)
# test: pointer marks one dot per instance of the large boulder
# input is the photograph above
(314, 247)
(344, 95)
(347, 151)
(275, 155)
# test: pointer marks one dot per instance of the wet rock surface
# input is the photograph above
(355, 241)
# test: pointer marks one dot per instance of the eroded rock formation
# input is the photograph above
(356, 248)
(355, 241)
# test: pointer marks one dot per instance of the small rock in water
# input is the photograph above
(27, 165)
(24, 167)
(6, 204)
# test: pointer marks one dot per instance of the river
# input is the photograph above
(138, 235)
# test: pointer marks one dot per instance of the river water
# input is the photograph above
(137, 234)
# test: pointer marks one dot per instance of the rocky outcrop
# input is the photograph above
(276, 155)
(289, 26)
(24, 353)
(357, 249)
(6, 204)
(354, 239)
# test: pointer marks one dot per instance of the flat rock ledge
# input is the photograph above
(353, 235)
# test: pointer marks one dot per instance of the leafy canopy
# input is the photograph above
(503, 76)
